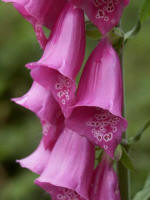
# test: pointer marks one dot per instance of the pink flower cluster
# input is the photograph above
(74, 120)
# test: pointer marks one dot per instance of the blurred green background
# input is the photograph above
(20, 130)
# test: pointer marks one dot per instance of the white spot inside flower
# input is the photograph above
(106, 19)
(60, 94)
(63, 101)
(67, 194)
(60, 196)
(113, 21)
(63, 86)
(88, 123)
(114, 129)
(105, 147)
(116, 119)
(97, 3)
(108, 137)
(46, 128)
(100, 14)
(102, 129)
(103, 125)
(105, 8)
(67, 97)
(58, 86)
(67, 83)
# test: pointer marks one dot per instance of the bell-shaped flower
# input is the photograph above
(63, 56)
(39, 13)
(40, 101)
(105, 182)
(37, 161)
(97, 113)
(69, 171)
(105, 14)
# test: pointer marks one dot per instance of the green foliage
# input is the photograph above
(144, 194)
(98, 155)
(133, 32)
(118, 152)
(92, 31)
(145, 10)
(143, 16)
(126, 160)
(20, 131)
(139, 134)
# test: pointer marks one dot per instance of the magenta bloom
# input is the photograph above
(69, 171)
(41, 102)
(39, 13)
(37, 161)
(63, 56)
(105, 14)
(97, 112)
(105, 182)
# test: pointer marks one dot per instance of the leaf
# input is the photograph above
(94, 34)
(144, 14)
(126, 160)
(145, 10)
(98, 155)
(144, 194)
(147, 183)
(139, 134)
(118, 152)
(116, 37)
(134, 31)
(92, 31)
(118, 45)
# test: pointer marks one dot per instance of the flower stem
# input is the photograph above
(123, 172)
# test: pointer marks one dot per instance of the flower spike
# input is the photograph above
(63, 56)
(70, 168)
(97, 113)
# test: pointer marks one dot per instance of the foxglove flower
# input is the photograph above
(37, 161)
(41, 102)
(40, 13)
(63, 56)
(105, 182)
(69, 171)
(105, 14)
(97, 112)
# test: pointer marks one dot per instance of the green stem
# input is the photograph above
(123, 172)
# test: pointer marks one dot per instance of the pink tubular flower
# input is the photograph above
(63, 56)
(105, 14)
(105, 182)
(97, 112)
(41, 102)
(37, 161)
(39, 13)
(69, 171)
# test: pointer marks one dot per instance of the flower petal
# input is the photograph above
(33, 99)
(105, 14)
(39, 13)
(70, 166)
(63, 56)
(41, 102)
(97, 113)
(37, 161)
(105, 182)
